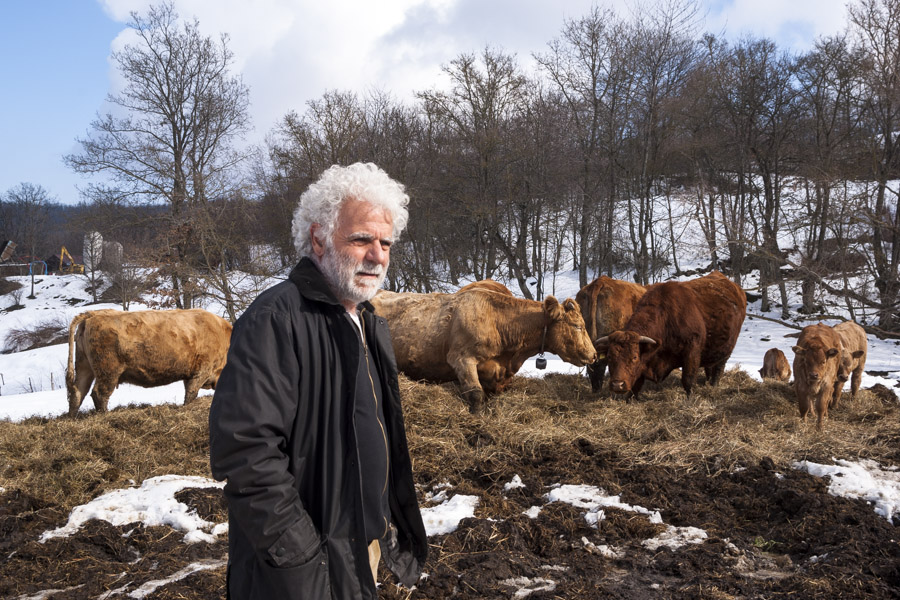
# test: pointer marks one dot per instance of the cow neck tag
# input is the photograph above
(540, 362)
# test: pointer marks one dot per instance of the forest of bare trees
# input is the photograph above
(637, 146)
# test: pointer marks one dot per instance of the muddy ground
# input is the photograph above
(773, 532)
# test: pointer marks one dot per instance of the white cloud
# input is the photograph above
(794, 24)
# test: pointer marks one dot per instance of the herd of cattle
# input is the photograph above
(481, 335)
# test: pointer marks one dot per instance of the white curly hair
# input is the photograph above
(322, 200)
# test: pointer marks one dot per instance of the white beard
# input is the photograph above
(340, 272)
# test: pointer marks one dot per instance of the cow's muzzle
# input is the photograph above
(618, 386)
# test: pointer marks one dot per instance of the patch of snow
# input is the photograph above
(529, 586)
(153, 503)
(675, 537)
(865, 479)
(532, 512)
(593, 499)
(445, 517)
(515, 483)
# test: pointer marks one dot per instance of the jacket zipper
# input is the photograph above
(362, 330)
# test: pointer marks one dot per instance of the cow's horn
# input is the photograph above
(647, 340)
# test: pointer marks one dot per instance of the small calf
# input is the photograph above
(775, 366)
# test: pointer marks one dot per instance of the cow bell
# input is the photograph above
(540, 362)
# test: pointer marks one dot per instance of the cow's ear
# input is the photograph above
(858, 353)
(832, 352)
(552, 308)
(797, 349)
(571, 306)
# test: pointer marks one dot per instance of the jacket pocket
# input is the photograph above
(295, 546)
(306, 580)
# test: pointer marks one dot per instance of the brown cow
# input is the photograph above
(479, 338)
(816, 358)
(775, 366)
(854, 349)
(606, 305)
(486, 284)
(146, 348)
(688, 324)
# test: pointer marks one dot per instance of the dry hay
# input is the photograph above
(68, 462)
(739, 422)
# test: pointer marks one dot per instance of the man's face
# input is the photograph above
(356, 259)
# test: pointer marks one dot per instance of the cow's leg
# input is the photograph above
(803, 404)
(493, 377)
(822, 399)
(854, 382)
(103, 389)
(84, 377)
(836, 394)
(467, 373)
(596, 371)
(191, 388)
(689, 371)
(714, 372)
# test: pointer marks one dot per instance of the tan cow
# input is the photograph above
(606, 305)
(854, 349)
(486, 284)
(816, 358)
(146, 348)
(775, 366)
(479, 338)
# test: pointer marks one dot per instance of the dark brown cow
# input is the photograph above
(606, 305)
(775, 366)
(816, 358)
(854, 349)
(689, 324)
(479, 338)
(146, 348)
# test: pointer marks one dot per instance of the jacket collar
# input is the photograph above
(313, 286)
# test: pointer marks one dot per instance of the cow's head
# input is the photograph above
(813, 361)
(626, 353)
(566, 335)
(847, 364)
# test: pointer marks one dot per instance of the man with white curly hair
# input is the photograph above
(306, 425)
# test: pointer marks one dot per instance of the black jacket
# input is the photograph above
(281, 433)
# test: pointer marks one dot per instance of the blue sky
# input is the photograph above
(56, 71)
(55, 77)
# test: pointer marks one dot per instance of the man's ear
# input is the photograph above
(317, 242)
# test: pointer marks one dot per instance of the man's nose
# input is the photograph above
(378, 254)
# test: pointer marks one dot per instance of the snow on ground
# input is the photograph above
(32, 383)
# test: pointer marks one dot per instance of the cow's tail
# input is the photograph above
(73, 327)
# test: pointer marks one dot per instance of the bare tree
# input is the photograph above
(170, 137)
(587, 65)
(828, 78)
(28, 209)
(875, 30)
(664, 53)
(486, 92)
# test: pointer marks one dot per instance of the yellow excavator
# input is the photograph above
(72, 267)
